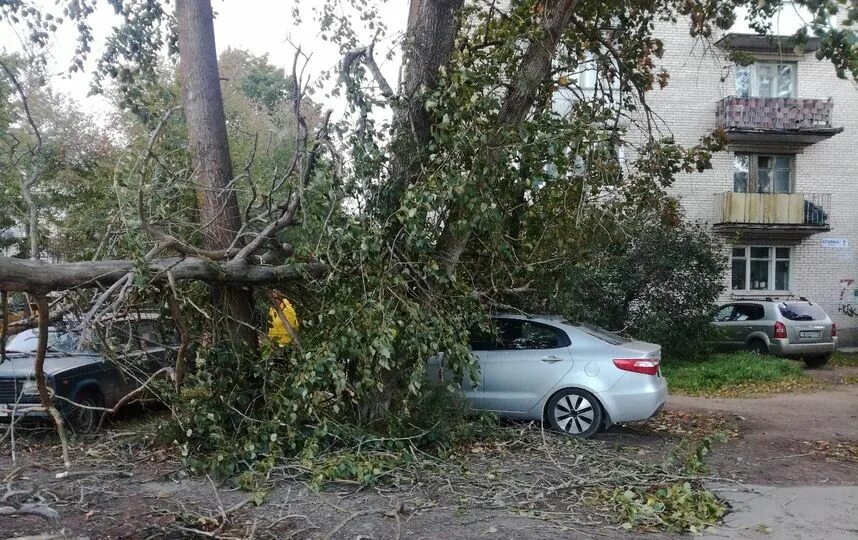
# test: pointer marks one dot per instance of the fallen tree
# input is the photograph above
(42, 277)
(479, 185)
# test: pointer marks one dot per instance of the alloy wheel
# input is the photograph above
(574, 414)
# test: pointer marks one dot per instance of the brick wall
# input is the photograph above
(700, 76)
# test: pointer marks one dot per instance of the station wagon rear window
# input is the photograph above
(801, 311)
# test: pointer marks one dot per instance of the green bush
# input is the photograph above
(658, 285)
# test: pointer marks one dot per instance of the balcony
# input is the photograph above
(776, 120)
(772, 215)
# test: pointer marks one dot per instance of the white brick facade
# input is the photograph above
(700, 76)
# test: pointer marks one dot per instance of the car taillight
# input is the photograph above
(833, 330)
(647, 366)
(780, 330)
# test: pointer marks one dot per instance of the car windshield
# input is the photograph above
(802, 311)
(605, 335)
(58, 341)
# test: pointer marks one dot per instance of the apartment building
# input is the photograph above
(783, 196)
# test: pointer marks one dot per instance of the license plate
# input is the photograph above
(806, 334)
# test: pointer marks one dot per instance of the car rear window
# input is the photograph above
(801, 311)
(605, 335)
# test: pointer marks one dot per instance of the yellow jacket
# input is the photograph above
(278, 333)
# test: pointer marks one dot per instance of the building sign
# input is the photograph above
(835, 242)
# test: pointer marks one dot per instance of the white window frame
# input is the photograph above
(772, 259)
(586, 79)
(753, 73)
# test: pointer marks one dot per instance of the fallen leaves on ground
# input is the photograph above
(689, 425)
(834, 450)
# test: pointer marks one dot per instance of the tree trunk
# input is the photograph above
(431, 34)
(220, 217)
(530, 79)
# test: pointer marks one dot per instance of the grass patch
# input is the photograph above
(734, 374)
(844, 359)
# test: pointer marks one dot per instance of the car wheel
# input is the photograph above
(817, 361)
(86, 420)
(758, 346)
(574, 412)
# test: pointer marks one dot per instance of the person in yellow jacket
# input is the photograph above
(278, 333)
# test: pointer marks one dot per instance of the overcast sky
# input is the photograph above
(260, 26)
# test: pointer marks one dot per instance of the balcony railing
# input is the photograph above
(804, 121)
(799, 210)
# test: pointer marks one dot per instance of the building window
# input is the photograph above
(756, 173)
(760, 268)
(766, 79)
(595, 79)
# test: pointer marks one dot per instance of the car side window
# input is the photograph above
(724, 314)
(748, 312)
(483, 341)
(517, 335)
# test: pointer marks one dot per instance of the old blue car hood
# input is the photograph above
(21, 366)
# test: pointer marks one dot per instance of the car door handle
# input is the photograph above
(551, 359)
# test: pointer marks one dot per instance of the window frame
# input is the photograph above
(772, 260)
(752, 179)
(754, 79)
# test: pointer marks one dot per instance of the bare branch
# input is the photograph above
(184, 336)
(39, 373)
(290, 206)
(369, 59)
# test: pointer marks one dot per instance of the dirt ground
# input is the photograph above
(785, 437)
(790, 471)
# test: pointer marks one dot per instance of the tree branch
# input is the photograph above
(535, 65)
(24, 103)
(39, 373)
(38, 276)
(367, 54)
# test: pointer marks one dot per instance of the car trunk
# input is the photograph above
(809, 332)
(641, 349)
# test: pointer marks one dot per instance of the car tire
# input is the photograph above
(758, 346)
(82, 420)
(574, 412)
(817, 361)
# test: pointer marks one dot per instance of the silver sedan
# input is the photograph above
(576, 378)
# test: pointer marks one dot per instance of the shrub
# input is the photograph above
(658, 285)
